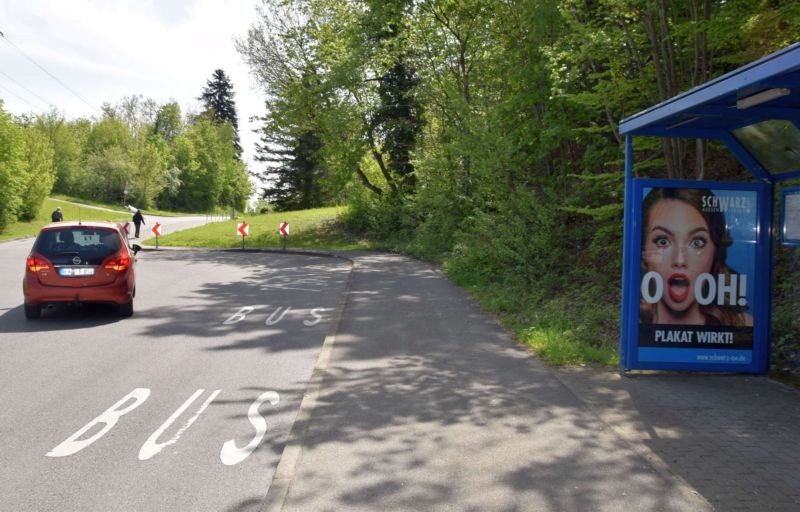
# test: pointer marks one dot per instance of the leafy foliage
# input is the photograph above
(11, 168)
(38, 177)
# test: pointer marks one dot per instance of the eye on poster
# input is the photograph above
(698, 263)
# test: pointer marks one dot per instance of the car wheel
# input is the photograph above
(126, 309)
(32, 312)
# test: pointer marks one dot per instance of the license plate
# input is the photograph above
(74, 272)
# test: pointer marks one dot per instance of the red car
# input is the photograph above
(80, 262)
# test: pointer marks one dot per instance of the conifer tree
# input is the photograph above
(219, 105)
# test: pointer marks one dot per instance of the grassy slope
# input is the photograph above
(70, 211)
(309, 229)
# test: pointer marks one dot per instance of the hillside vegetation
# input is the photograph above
(483, 135)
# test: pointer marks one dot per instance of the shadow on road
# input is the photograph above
(58, 318)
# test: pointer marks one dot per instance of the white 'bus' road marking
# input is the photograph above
(109, 417)
(151, 447)
(275, 317)
(272, 320)
(317, 317)
(239, 315)
(230, 453)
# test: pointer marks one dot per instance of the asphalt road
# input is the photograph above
(184, 406)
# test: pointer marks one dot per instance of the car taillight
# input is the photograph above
(35, 263)
(120, 262)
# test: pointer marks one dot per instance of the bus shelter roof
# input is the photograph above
(754, 111)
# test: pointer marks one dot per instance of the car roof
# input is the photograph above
(81, 224)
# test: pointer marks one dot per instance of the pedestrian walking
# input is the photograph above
(138, 220)
(56, 215)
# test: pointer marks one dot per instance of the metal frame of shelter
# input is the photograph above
(753, 111)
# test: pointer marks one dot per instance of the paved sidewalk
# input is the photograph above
(421, 402)
(734, 439)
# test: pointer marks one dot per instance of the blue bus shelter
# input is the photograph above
(697, 255)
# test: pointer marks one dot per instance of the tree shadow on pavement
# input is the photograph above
(428, 405)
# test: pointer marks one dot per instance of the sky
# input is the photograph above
(101, 51)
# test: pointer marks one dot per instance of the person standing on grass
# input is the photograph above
(138, 220)
(56, 216)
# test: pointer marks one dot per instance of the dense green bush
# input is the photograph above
(380, 218)
(11, 168)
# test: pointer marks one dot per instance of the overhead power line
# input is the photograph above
(51, 75)
(23, 87)
(9, 91)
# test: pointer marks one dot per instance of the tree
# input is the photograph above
(109, 132)
(108, 171)
(279, 51)
(184, 159)
(210, 174)
(394, 114)
(148, 178)
(294, 181)
(67, 140)
(168, 123)
(109, 166)
(219, 105)
(398, 118)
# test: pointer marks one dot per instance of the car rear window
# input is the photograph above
(90, 245)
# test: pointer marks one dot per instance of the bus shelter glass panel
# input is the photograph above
(774, 143)
(790, 216)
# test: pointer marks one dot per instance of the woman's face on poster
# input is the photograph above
(678, 246)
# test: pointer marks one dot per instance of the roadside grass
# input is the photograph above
(70, 212)
(556, 333)
(317, 228)
(560, 345)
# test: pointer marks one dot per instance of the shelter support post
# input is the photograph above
(627, 272)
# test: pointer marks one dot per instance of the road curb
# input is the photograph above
(293, 451)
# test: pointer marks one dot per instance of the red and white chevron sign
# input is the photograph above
(283, 229)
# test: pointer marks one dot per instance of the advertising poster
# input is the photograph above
(697, 275)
